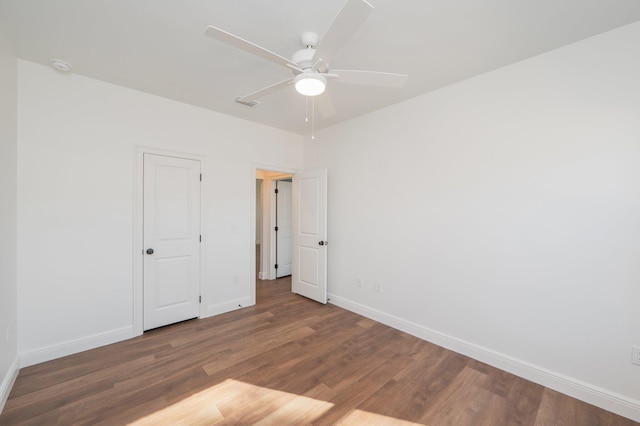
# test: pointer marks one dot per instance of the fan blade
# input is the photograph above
(324, 105)
(344, 25)
(265, 91)
(247, 46)
(371, 78)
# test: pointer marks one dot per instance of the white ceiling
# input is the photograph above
(158, 46)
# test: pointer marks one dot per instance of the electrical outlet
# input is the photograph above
(378, 287)
(359, 282)
(635, 355)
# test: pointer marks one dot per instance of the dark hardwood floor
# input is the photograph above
(287, 360)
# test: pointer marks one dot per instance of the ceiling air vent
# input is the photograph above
(247, 103)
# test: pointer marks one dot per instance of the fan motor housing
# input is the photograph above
(304, 58)
(309, 40)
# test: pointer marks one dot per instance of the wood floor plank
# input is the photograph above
(452, 405)
(287, 360)
(359, 391)
(557, 409)
(301, 410)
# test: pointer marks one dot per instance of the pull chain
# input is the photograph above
(313, 117)
(313, 114)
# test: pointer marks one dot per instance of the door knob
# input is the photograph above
(149, 251)
(323, 243)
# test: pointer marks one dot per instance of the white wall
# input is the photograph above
(8, 205)
(76, 174)
(502, 216)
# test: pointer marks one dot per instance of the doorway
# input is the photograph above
(273, 224)
(309, 230)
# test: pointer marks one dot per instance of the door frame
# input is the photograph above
(138, 229)
(255, 167)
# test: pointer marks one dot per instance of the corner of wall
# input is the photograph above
(7, 382)
(8, 216)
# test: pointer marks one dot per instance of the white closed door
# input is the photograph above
(283, 226)
(309, 276)
(171, 240)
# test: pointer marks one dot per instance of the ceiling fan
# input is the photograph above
(311, 65)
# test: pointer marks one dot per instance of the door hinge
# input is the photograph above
(200, 238)
(276, 266)
(276, 229)
(276, 190)
(200, 299)
(200, 177)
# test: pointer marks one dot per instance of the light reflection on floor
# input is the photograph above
(359, 417)
(233, 401)
(232, 398)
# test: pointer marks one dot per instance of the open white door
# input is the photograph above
(309, 277)
(283, 228)
(171, 240)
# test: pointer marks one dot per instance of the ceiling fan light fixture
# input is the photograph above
(310, 84)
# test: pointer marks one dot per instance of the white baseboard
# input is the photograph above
(229, 306)
(7, 382)
(586, 392)
(74, 346)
